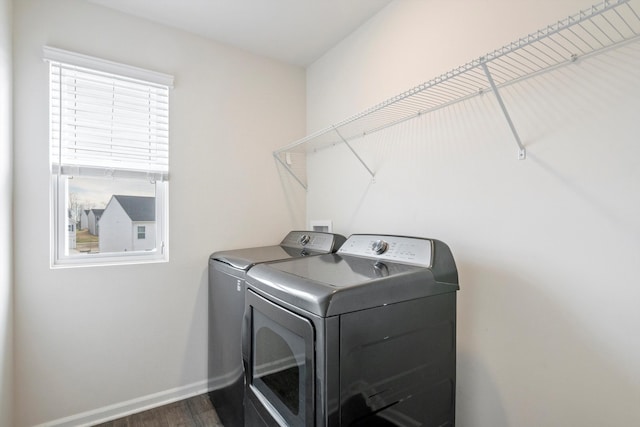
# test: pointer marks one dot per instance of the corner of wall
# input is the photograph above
(6, 194)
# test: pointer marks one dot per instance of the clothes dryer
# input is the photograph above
(362, 337)
(227, 271)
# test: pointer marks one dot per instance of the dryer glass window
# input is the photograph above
(280, 367)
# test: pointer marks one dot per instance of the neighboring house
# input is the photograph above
(94, 218)
(84, 219)
(128, 224)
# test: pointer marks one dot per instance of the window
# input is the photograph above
(109, 139)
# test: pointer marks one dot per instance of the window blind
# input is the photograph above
(108, 124)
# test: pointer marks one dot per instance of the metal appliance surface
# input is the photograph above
(361, 337)
(227, 271)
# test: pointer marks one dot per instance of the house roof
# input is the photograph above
(138, 208)
(97, 211)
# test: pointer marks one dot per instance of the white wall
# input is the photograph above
(6, 186)
(547, 248)
(129, 336)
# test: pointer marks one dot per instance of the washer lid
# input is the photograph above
(296, 244)
(244, 259)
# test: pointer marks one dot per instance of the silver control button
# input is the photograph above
(304, 239)
(379, 247)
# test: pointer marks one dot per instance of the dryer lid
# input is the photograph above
(356, 277)
(332, 284)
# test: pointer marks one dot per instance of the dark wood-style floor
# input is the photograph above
(194, 412)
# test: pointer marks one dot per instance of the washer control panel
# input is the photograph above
(310, 240)
(406, 250)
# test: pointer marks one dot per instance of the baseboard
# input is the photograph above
(225, 380)
(119, 410)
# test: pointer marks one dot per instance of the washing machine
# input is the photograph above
(227, 270)
(362, 337)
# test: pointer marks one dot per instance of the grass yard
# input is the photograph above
(83, 236)
(87, 242)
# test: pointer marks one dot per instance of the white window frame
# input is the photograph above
(60, 175)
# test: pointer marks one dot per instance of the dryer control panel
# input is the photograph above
(400, 249)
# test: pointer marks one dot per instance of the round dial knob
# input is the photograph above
(304, 239)
(379, 247)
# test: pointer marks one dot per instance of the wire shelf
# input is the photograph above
(590, 31)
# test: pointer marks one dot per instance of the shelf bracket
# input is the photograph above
(522, 153)
(373, 175)
(276, 155)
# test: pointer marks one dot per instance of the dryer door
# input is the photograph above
(280, 362)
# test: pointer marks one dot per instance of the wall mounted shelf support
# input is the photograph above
(373, 175)
(605, 25)
(276, 155)
(522, 153)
